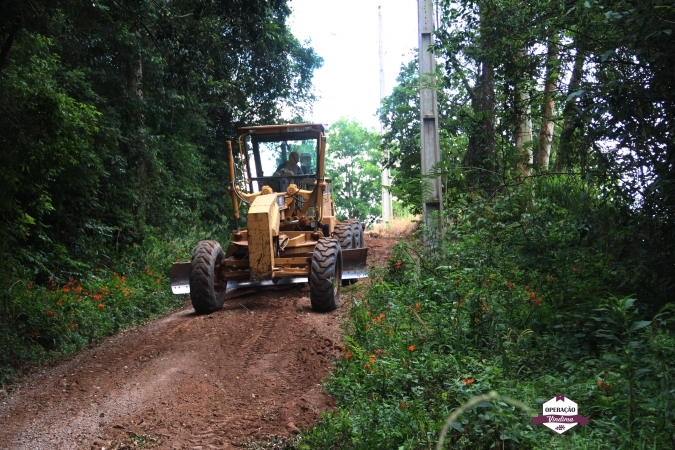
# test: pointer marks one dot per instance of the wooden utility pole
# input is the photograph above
(432, 206)
(386, 195)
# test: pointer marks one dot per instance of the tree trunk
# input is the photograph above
(546, 131)
(7, 45)
(137, 139)
(570, 120)
(524, 130)
(481, 155)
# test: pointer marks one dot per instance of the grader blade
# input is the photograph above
(354, 263)
(180, 278)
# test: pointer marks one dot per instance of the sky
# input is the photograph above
(345, 34)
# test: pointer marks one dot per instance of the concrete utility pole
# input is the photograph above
(386, 195)
(432, 206)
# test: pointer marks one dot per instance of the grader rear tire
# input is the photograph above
(205, 298)
(325, 275)
(344, 233)
(357, 232)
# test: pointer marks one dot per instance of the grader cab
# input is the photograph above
(291, 233)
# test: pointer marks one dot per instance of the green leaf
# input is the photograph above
(640, 325)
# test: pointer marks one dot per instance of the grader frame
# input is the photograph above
(291, 236)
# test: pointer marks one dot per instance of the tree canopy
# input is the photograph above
(527, 90)
(353, 165)
(115, 113)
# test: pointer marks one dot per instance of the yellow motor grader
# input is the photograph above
(291, 233)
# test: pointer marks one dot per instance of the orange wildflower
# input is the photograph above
(576, 269)
(367, 326)
(509, 285)
(389, 332)
(78, 289)
(537, 301)
(98, 297)
(401, 404)
(398, 264)
(411, 347)
(380, 317)
(468, 381)
(66, 290)
(49, 313)
(458, 280)
(551, 279)
(348, 355)
(101, 305)
(604, 385)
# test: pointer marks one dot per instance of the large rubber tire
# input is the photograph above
(344, 233)
(357, 232)
(325, 275)
(205, 299)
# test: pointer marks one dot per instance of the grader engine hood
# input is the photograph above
(263, 227)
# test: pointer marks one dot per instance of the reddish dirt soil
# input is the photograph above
(246, 373)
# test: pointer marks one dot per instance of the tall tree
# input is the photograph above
(550, 87)
(353, 165)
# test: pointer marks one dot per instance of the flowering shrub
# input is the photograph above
(44, 321)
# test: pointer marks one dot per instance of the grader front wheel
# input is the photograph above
(325, 276)
(206, 292)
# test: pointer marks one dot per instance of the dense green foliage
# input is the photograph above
(517, 300)
(554, 273)
(601, 66)
(114, 116)
(353, 165)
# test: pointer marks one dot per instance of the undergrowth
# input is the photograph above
(42, 322)
(526, 299)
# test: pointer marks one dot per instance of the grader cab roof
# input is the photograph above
(291, 132)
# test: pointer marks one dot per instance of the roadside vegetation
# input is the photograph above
(554, 271)
(45, 321)
(517, 299)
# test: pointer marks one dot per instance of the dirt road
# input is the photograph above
(250, 371)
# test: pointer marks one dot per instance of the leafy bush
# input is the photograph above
(518, 298)
(42, 322)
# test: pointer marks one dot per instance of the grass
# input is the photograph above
(398, 227)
